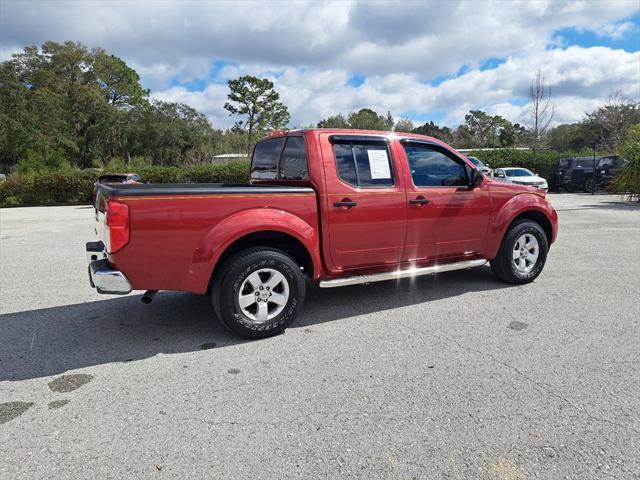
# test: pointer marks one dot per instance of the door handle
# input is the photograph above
(346, 203)
(418, 201)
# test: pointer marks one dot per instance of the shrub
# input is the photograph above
(76, 186)
(42, 188)
(160, 174)
(124, 166)
(628, 179)
(235, 172)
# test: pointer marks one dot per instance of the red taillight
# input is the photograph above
(117, 224)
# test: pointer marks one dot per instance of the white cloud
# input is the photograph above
(311, 49)
(579, 78)
(616, 30)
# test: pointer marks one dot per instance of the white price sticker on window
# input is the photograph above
(379, 164)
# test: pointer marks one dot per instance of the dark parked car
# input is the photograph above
(119, 178)
(116, 178)
(606, 168)
(573, 173)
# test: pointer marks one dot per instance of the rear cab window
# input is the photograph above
(363, 163)
(280, 158)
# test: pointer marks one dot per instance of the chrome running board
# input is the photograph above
(412, 272)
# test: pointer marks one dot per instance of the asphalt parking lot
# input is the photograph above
(455, 376)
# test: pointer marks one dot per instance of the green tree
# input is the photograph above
(576, 137)
(404, 125)
(119, 82)
(256, 100)
(62, 103)
(481, 130)
(610, 123)
(64, 99)
(628, 180)
(336, 121)
(430, 129)
(168, 133)
(367, 119)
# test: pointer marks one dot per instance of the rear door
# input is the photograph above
(365, 201)
(445, 217)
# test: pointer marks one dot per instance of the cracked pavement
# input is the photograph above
(454, 376)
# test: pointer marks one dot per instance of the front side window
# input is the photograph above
(432, 167)
(364, 164)
(609, 162)
(264, 164)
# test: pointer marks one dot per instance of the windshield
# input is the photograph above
(583, 163)
(518, 172)
(476, 162)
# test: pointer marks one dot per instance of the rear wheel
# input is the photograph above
(259, 292)
(522, 254)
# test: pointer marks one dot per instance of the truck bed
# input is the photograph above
(157, 189)
(179, 230)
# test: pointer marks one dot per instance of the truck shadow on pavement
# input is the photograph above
(51, 341)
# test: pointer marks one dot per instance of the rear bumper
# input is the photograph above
(102, 276)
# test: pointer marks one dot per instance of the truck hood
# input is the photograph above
(530, 180)
(517, 188)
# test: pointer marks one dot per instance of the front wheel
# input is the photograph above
(260, 293)
(589, 186)
(522, 254)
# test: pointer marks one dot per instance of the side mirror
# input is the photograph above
(475, 178)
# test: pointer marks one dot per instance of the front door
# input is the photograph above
(445, 217)
(365, 202)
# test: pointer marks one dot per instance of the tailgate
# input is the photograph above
(100, 208)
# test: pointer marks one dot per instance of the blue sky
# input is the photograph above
(422, 60)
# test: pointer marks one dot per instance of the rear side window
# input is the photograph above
(293, 163)
(280, 158)
(265, 158)
(364, 164)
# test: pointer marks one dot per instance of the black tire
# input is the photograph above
(230, 278)
(503, 265)
(588, 186)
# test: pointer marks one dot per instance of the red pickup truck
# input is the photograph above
(335, 207)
